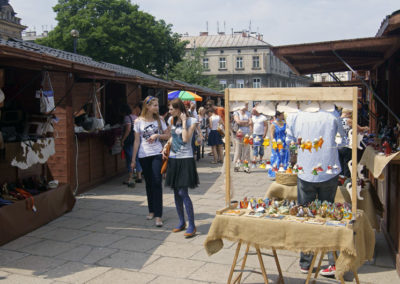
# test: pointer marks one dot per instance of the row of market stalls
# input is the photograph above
(60, 122)
(375, 65)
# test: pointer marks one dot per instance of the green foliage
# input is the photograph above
(190, 70)
(116, 31)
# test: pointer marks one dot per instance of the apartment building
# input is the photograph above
(243, 60)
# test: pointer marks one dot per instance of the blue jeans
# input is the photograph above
(307, 192)
(258, 150)
(128, 149)
(152, 176)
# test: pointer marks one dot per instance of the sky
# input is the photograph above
(281, 22)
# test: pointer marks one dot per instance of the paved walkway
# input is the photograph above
(106, 239)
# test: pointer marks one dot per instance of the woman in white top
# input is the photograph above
(214, 138)
(181, 170)
(242, 151)
(149, 129)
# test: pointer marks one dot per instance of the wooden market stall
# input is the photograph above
(355, 241)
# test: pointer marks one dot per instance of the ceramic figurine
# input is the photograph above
(266, 201)
(254, 203)
(308, 145)
(292, 147)
(237, 166)
(283, 210)
(300, 170)
(239, 134)
(299, 140)
(260, 209)
(315, 144)
(246, 139)
(272, 210)
(253, 164)
(302, 146)
(275, 168)
(266, 142)
(281, 169)
(329, 170)
(251, 140)
(314, 171)
(295, 169)
(320, 142)
(289, 170)
(262, 165)
(300, 212)
(387, 148)
(280, 144)
(308, 213)
(268, 165)
(274, 145)
(335, 169)
(319, 168)
(293, 210)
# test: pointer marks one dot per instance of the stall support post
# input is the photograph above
(354, 154)
(227, 152)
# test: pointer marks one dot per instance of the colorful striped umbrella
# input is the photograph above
(184, 96)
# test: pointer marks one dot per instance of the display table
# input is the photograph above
(280, 191)
(376, 162)
(355, 242)
(16, 220)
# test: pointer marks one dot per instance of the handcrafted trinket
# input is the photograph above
(257, 141)
(275, 168)
(266, 142)
(280, 144)
(237, 166)
(283, 210)
(293, 211)
(315, 144)
(300, 212)
(308, 145)
(246, 139)
(239, 134)
(387, 148)
(295, 169)
(272, 210)
(253, 164)
(289, 170)
(319, 168)
(329, 170)
(268, 165)
(335, 169)
(314, 171)
(260, 209)
(249, 206)
(251, 140)
(302, 146)
(299, 140)
(320, 142)
(292, 147)
(262, 165)
(281, 169)
(300, 170)
(274, 144)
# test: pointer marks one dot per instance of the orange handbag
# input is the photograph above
(165, 160)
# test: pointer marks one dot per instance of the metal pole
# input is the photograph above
(366, 85)
(75, 43)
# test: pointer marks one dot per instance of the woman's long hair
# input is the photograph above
(145, 109)
(178, 104)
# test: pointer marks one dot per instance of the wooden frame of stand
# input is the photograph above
(347, 94)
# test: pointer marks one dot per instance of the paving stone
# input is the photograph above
(129, 260)
(19, 279)
(75, 272)
(144, 232)
(32, 265)
(7, 256)
(224, 256)
(98, 239)
(84, 213)
(169, 266)
(86, 254)
(113, 217)
(117, 276)
(377, 275)
(136, 244)
(64, 235)
(48, 248)
(177, 250)
(211, 272)
(106, 227)
(40, 231)
(21, 242)
(175, 280)
(269, 261)
(73, 223)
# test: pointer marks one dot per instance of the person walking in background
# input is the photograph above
(259, 129)
(242, 150)
(181, 170)
(279, 151)
(149, 129)
(127, 140)
(214, 138)
(220, 111)
(202, 120)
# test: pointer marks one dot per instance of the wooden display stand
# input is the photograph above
(347, 94)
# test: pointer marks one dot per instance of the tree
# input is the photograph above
(190, 70)
(115, 31)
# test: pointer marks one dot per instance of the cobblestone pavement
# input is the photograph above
(107, 239)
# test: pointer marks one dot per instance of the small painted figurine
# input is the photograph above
(274, 145)
(266, 142)
(320, 142)
(268, 165)
(308, 145)
(302, 146)
(335, 169)
(301, 171)
(387, 148)
(281, 169)
(280, 144)
(299, 140)
(329, 170)
(315, 145)
(246, 139)
(314, 171)
(319, 167)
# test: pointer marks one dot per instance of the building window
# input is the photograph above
(239, 62)
(222, 63)
(256, 83)
(240, 83)
(223, 84)
(256, 61)
(205, 64)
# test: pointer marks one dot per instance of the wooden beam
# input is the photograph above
(227, 151)
(291, 94)
(354, 154)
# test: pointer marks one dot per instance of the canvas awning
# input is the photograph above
(319, 57)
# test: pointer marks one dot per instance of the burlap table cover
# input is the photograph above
(356, 245)
(342, 195)
(376, 163)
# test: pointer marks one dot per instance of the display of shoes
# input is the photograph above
(329, 272)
